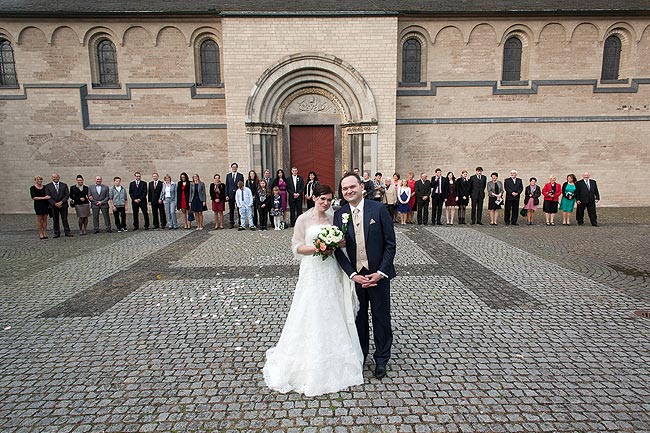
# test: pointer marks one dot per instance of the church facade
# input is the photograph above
(114, 92)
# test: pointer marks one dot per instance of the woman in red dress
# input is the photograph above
(183, 198)
(411, 184)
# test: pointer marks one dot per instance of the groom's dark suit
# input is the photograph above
(380, 246)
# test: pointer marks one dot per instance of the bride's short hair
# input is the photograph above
(321, 189)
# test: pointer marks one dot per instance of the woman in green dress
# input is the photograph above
(568, 199)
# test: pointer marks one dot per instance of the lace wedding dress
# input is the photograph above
(318, 351)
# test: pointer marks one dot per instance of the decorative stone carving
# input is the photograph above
(262, 130)
(313, 104)
(361, 129)
(311, 101)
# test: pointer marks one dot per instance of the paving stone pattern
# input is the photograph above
(496, 330)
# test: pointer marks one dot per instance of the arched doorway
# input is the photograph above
(328, 106)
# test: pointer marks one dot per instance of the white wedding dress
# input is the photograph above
(318, 351)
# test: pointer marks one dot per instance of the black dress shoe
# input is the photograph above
(69, 235)
(56, 236)
(480, 224)
(380, 371)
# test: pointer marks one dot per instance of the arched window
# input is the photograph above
(7, 64)
(210, 67)
(107, 63)
(512, 59)
(411, 61)
(611, 58)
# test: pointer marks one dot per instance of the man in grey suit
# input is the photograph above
(98, 196)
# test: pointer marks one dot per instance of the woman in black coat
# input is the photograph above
(463, 188)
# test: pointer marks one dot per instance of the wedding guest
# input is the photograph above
(312, 183)
(262, 201)
(396, 183)
(281, 182)
(244, 199)
(423, 194)
(477, 193)
(413, 206)
(378, 188)
(117, 202)
(267, 177)
(552, 193)
(232, 180)
(138, 194)
(439, 192)
(295, 188)
(531, 199)
(513, 187)
(587, 196)
(183, 198)
(99, 196)
(450, 201)
(169, 199)
(368, 185)
(464, 188)
(404, 198)
(79, 200)
(59, 195)
(218, 199)
(41, 206)
(495, 198)
(568, 198)
(356, 172)
(157, 207)
(390, 196)
(252, 183)
(197, 200)
(276, 211)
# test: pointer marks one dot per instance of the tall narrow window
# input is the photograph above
(411, 61)
(210, 74)
(7, 64)
(512, 59)
(611, 58)
(107, 63)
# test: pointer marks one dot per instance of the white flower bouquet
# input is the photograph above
(329, 239)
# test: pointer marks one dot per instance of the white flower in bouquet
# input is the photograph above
(327, 241)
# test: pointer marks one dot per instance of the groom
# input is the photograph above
(370, 246)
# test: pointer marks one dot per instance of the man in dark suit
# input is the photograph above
(587, 196)
(99, 196)
(439, 192)
(477, 184)
(295, 191)
(370, 247)
(157, 208)
(422, 196)
(513, 187)
(138, 194)
(59, 196)
(232, 179)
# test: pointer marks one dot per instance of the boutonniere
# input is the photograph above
(372, 221)
(344, 219)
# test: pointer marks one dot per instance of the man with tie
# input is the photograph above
(422, 195)
(99, 196)
(439, 192)
(370, 247)
(295, 191)
(267, 177)
(232, 179)
(59, 195)
(477, 184)
(138, 194)
(157, 206)
(513, 187)
(587, 196)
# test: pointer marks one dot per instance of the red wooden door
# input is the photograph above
(312, 149)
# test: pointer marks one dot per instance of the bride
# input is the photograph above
(318, 351)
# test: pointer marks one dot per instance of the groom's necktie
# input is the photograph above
(362, 258)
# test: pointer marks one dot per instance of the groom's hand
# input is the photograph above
(373, 279)
(362, 280)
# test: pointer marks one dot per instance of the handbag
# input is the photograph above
(523, 212)
(190, 216)
(71, 203)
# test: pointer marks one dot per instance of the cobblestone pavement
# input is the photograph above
(497, 329)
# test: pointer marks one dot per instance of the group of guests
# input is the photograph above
(280, 199)
(413, 198)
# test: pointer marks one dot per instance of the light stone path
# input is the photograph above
(168, 334)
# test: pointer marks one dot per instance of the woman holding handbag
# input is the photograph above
(551, 193)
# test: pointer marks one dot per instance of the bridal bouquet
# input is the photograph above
(328, 239)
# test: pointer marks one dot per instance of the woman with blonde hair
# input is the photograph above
(41, 206)
(197, 200)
